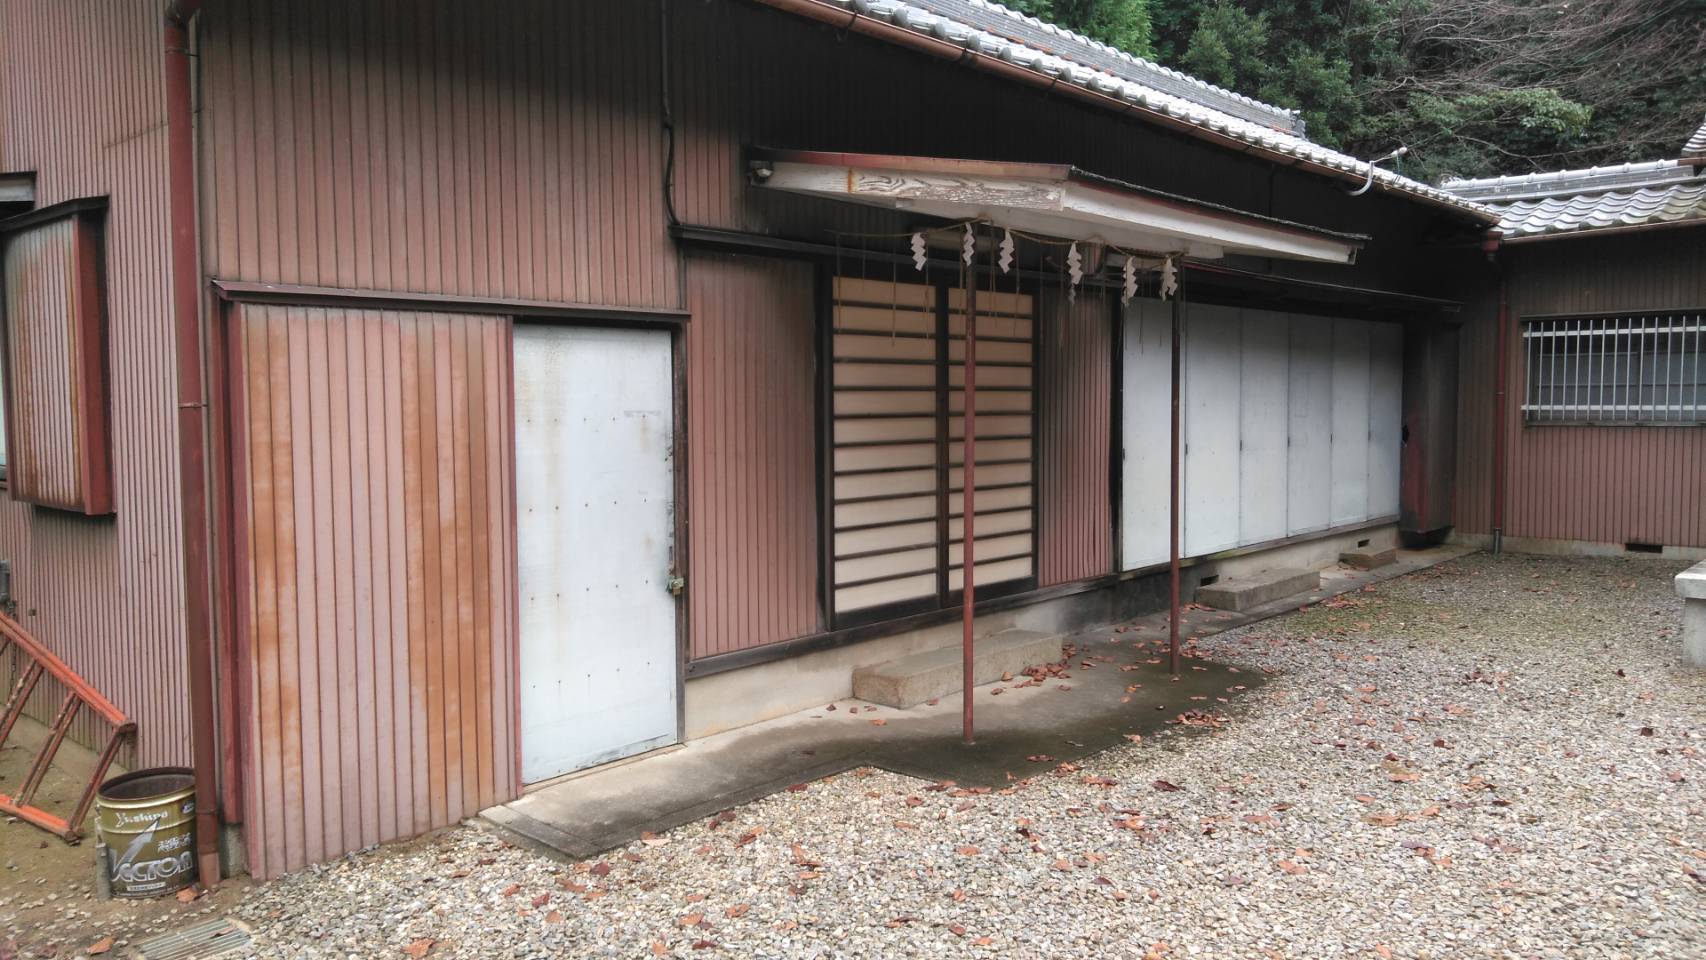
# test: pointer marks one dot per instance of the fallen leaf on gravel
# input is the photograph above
(914, 801)
(601, 869)
(419, 948)
(879, 722)
(967, 851)
(691, 920)
(749, 836)
(651, 839)
(1134, 737)
(659, 948)
(900, 921)
(956, 930)
(100, 946)
(541, 900)
(1292, 868)
(1166, 787)
(705, 944)
(1384, 951)
(512, 890)
(553, 917)
(738, 910)
(188, 894)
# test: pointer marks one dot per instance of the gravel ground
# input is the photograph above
(1499, 757)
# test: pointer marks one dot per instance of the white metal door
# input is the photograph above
(595, 482)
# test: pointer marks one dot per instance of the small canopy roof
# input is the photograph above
(1056, 200)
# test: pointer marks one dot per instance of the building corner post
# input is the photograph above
(1501, 381)
(185, 285)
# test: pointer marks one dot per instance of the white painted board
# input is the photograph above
(1386, 417)
(1310, 413)
(1213, 337)
(1265, 376)
(594, 427)
(1350, 421)
(1146, 402)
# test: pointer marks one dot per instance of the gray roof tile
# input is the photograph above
(1577, 201)
(1696, 145)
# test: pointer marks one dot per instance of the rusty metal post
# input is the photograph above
(968, 506)
(1173, 503)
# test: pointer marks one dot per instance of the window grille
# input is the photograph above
(1638, 368)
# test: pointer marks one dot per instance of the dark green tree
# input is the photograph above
(1118, 23)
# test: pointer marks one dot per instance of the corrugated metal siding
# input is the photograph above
(752, 484)
(41, 301)
(509, 150)
(375, 489)
(106, 594)
(1600, 483)
(1075, 380)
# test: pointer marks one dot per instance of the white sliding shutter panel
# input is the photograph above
(887, 478)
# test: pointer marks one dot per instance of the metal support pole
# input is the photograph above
(969, 496)
(1173, 506)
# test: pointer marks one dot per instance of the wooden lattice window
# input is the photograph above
(58, 445)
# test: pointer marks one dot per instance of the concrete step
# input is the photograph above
(911, 680)
(1243, 593)
(1367, 558)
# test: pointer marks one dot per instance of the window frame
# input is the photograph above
(1585, 336)
(88, 369)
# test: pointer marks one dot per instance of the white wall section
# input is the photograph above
(1292, 424)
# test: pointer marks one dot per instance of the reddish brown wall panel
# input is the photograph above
(506, 150)
(751, 455)
(1607, 484)
(106, 594)
(376, 575)
(1076, 398)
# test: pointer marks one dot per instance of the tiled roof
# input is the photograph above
(992, 30)
(1696, 145)
(1577, 201)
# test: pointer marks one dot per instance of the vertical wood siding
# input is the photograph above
(1610, 484)
(509, 150)
(374, 491)
(1076, 397)
(753, 542)
(106, 593)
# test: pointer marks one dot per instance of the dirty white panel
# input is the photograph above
(1213, 344)
(1310, 413)
(1386, 416)
(1350, 421)
(594, 487)
(1146, 418)
(1265, 375)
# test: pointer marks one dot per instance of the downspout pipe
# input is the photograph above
(185, 282)
(1501, 383)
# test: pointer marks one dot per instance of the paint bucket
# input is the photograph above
(146, 822)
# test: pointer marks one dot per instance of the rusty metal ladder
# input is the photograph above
(14, 638)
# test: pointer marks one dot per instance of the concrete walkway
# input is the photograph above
(1116, 685)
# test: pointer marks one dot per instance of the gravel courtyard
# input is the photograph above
(1498, 757)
